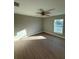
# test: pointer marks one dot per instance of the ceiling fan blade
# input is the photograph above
(51, 9)
(38, 12)
(41, 9)
(47, 15)
(47, 12)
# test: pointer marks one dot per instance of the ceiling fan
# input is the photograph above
(44, 12)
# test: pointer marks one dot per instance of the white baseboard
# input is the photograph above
(17, 38)
(55, 35)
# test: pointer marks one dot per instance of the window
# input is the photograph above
(58, 26)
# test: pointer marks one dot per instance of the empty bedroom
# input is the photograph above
(39, 29)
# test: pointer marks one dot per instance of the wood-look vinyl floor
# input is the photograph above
(50, 47)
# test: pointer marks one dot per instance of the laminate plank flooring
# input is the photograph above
(40, 46)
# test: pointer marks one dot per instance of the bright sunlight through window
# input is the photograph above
(21, 34)
(58, 26)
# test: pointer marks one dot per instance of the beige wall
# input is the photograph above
(32, 25)
(48, 25)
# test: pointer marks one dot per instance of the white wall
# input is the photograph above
(32, 25)
(48, 26)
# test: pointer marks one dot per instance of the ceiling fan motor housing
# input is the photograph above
(43, 13)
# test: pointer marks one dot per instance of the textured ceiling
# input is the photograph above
(30, 7)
